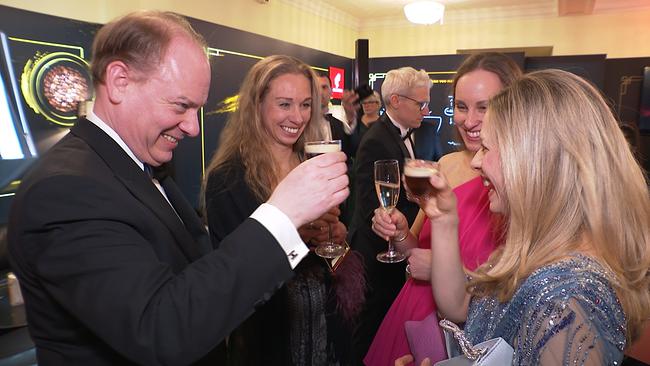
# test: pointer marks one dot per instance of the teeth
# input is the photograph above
(169, 138)
(474, 134)
(290, 130)
(486, 183)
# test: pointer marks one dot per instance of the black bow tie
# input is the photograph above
(159, 173)
(408, 133)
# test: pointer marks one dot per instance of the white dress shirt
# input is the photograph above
(272, 218)
(403, 131)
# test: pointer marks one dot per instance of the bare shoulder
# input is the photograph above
(455, 167)
(450, 162)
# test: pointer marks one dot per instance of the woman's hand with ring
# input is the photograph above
(419, 264)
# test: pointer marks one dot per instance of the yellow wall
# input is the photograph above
(277, 19)
(617, 35)
(623, 34)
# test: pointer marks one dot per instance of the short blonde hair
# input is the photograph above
(401, 81)
(564, 158)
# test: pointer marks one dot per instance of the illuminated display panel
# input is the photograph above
(644, 110)
(16, 146)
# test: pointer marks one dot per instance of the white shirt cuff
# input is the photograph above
(282, 229)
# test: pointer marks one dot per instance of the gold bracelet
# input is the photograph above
(397, 240)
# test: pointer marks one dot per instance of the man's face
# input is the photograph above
(325, 92)
(406, 108)
(160, 108)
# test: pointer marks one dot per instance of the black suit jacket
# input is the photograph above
(381, 141)
(338, 133)
(109, 272)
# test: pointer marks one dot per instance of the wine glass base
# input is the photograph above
(330, 250)
(391, 257)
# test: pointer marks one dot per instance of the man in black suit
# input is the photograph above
(332, 128)
(115, 267)
(405, 93)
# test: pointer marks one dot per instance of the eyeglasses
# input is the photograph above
(423, 105)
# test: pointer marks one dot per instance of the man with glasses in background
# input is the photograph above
(405, 93)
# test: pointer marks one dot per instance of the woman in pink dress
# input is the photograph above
(479, 77)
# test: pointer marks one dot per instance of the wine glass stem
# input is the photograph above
(329, 233)
(391, 247)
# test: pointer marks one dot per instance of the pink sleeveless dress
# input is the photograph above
(415, 300)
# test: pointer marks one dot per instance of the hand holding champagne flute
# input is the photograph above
(387, 183)
(329, 249)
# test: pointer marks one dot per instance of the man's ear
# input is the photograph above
(117, 79)
(394, 100)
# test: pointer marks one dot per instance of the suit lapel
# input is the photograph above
(186, 212)
(395, 137)
(141, 187)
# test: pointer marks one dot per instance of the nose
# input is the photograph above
(473, 119)
(477, 160)
(190, 125)
(296, 115)
(426, 111)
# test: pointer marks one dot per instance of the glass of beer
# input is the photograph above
(417, 173)
(387, 182)
(329, 249)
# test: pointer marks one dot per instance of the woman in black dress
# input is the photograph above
(307, 322)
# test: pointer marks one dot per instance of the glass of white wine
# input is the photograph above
(329, 249)
(387, 182)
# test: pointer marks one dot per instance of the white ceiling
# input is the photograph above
(368, 11)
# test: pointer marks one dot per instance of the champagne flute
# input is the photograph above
(387, 182)
(329, 249)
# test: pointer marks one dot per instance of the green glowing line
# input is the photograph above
(80, 49)
(202, 145)
(219, 51)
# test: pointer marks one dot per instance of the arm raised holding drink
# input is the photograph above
(303, 203)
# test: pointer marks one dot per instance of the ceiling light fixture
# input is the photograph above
(424, 12)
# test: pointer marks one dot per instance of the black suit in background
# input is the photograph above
(338, 133)
(110, 273)
(381, 141)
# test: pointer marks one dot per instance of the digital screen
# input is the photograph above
(17, 148)
(644, 109)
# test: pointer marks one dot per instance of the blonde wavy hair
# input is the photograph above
(244, 137)
(565, 159)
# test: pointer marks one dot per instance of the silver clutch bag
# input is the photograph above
(493, 352)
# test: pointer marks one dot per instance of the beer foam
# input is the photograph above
(322, 148)
(419, 171)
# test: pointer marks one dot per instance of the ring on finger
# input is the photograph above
(408, 269)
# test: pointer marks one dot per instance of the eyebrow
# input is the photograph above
(187, 101)
(291, 99)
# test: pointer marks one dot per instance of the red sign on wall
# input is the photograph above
(337, 81)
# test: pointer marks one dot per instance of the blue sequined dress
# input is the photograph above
(565, 313)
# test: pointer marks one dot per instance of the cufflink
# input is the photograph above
(292, 255)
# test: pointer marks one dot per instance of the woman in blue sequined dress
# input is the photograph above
(570, 284)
